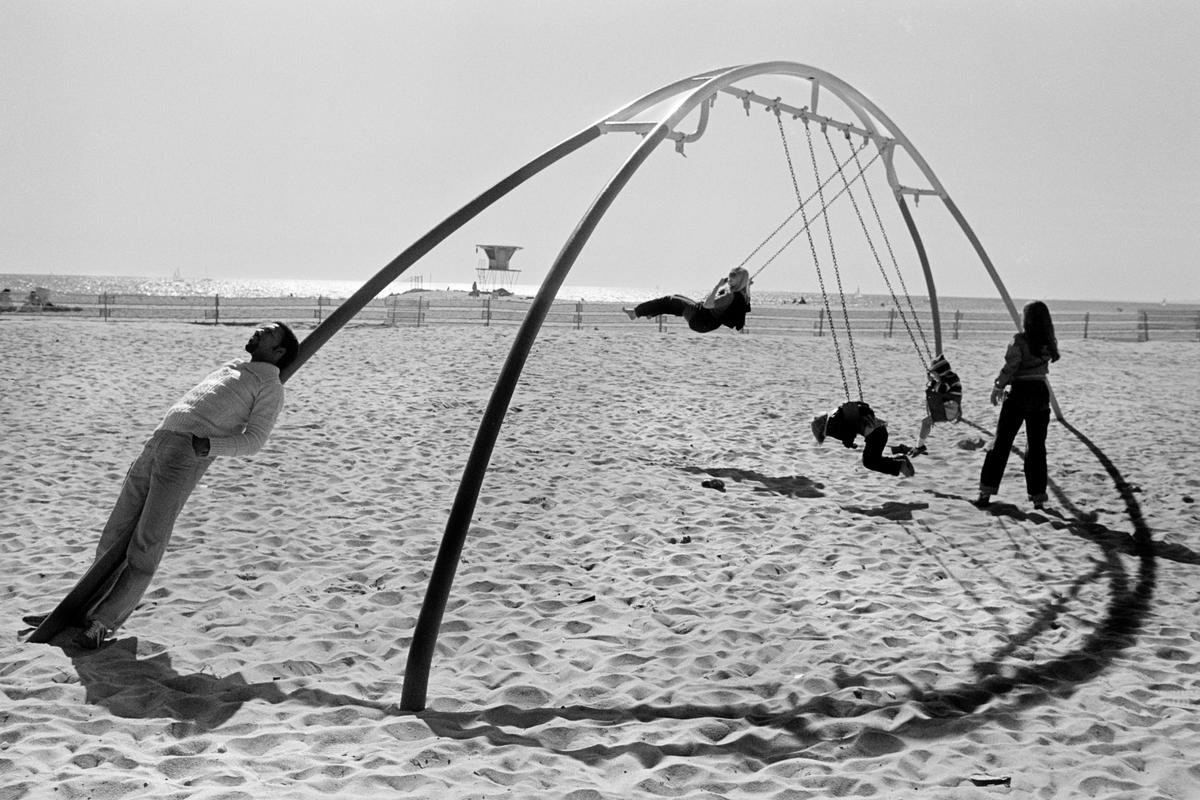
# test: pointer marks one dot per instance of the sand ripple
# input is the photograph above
(617, 629)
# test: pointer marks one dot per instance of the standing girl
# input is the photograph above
(1026, 365)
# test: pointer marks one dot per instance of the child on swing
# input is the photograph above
(727, 304)
(943, 398)
(853, 419)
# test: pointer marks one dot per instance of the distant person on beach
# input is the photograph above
(856, 418)
(229, 413)
(727, 304)
(1027, 401)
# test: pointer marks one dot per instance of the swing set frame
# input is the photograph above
(692, 95)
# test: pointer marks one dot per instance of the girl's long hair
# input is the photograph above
(1039, 330)
(740, 283)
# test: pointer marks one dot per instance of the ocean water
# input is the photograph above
(60, 285)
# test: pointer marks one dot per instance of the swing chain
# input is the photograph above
(875, 251)
(861, 170)
(799, 230)
(812, 154)
(808, 221)
(816, 260)
(899, 277)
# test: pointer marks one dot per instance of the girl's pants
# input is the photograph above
(155, 489)
(1028, 403)
(698, 318)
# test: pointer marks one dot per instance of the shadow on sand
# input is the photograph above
(933, 713)
(117, 679)
(787, 485)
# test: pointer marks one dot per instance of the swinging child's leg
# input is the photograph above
(926, 429)
(675, 305)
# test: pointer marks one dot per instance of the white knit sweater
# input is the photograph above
(235, 407)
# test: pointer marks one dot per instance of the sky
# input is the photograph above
(317, 140)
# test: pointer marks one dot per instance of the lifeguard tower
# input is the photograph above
(495, 274)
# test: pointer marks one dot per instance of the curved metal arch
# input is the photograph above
(397, 266)
(871, 117)
(709, 83)
(697, 91)
(882, 129)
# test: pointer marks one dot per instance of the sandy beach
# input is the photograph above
(616, 629)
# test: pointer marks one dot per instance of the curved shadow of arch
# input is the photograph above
(117, 679)
(1129, 604)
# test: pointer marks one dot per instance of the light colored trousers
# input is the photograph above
(155, 489)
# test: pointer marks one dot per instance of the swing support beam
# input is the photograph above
(688, 95)
(748, 97)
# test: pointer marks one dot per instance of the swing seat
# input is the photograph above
(942, 406)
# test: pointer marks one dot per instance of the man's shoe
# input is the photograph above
(92, 637)
(983, 501)
(906, 467)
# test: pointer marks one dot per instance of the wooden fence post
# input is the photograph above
(891, 321)
(957, 321)
(216, 309)
(1087, 318)
(1145, 333)
(579, 315)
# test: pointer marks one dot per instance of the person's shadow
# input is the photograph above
(788, 485)
(115, 678)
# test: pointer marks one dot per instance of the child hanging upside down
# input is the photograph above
(727, 304)
(854, 419)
